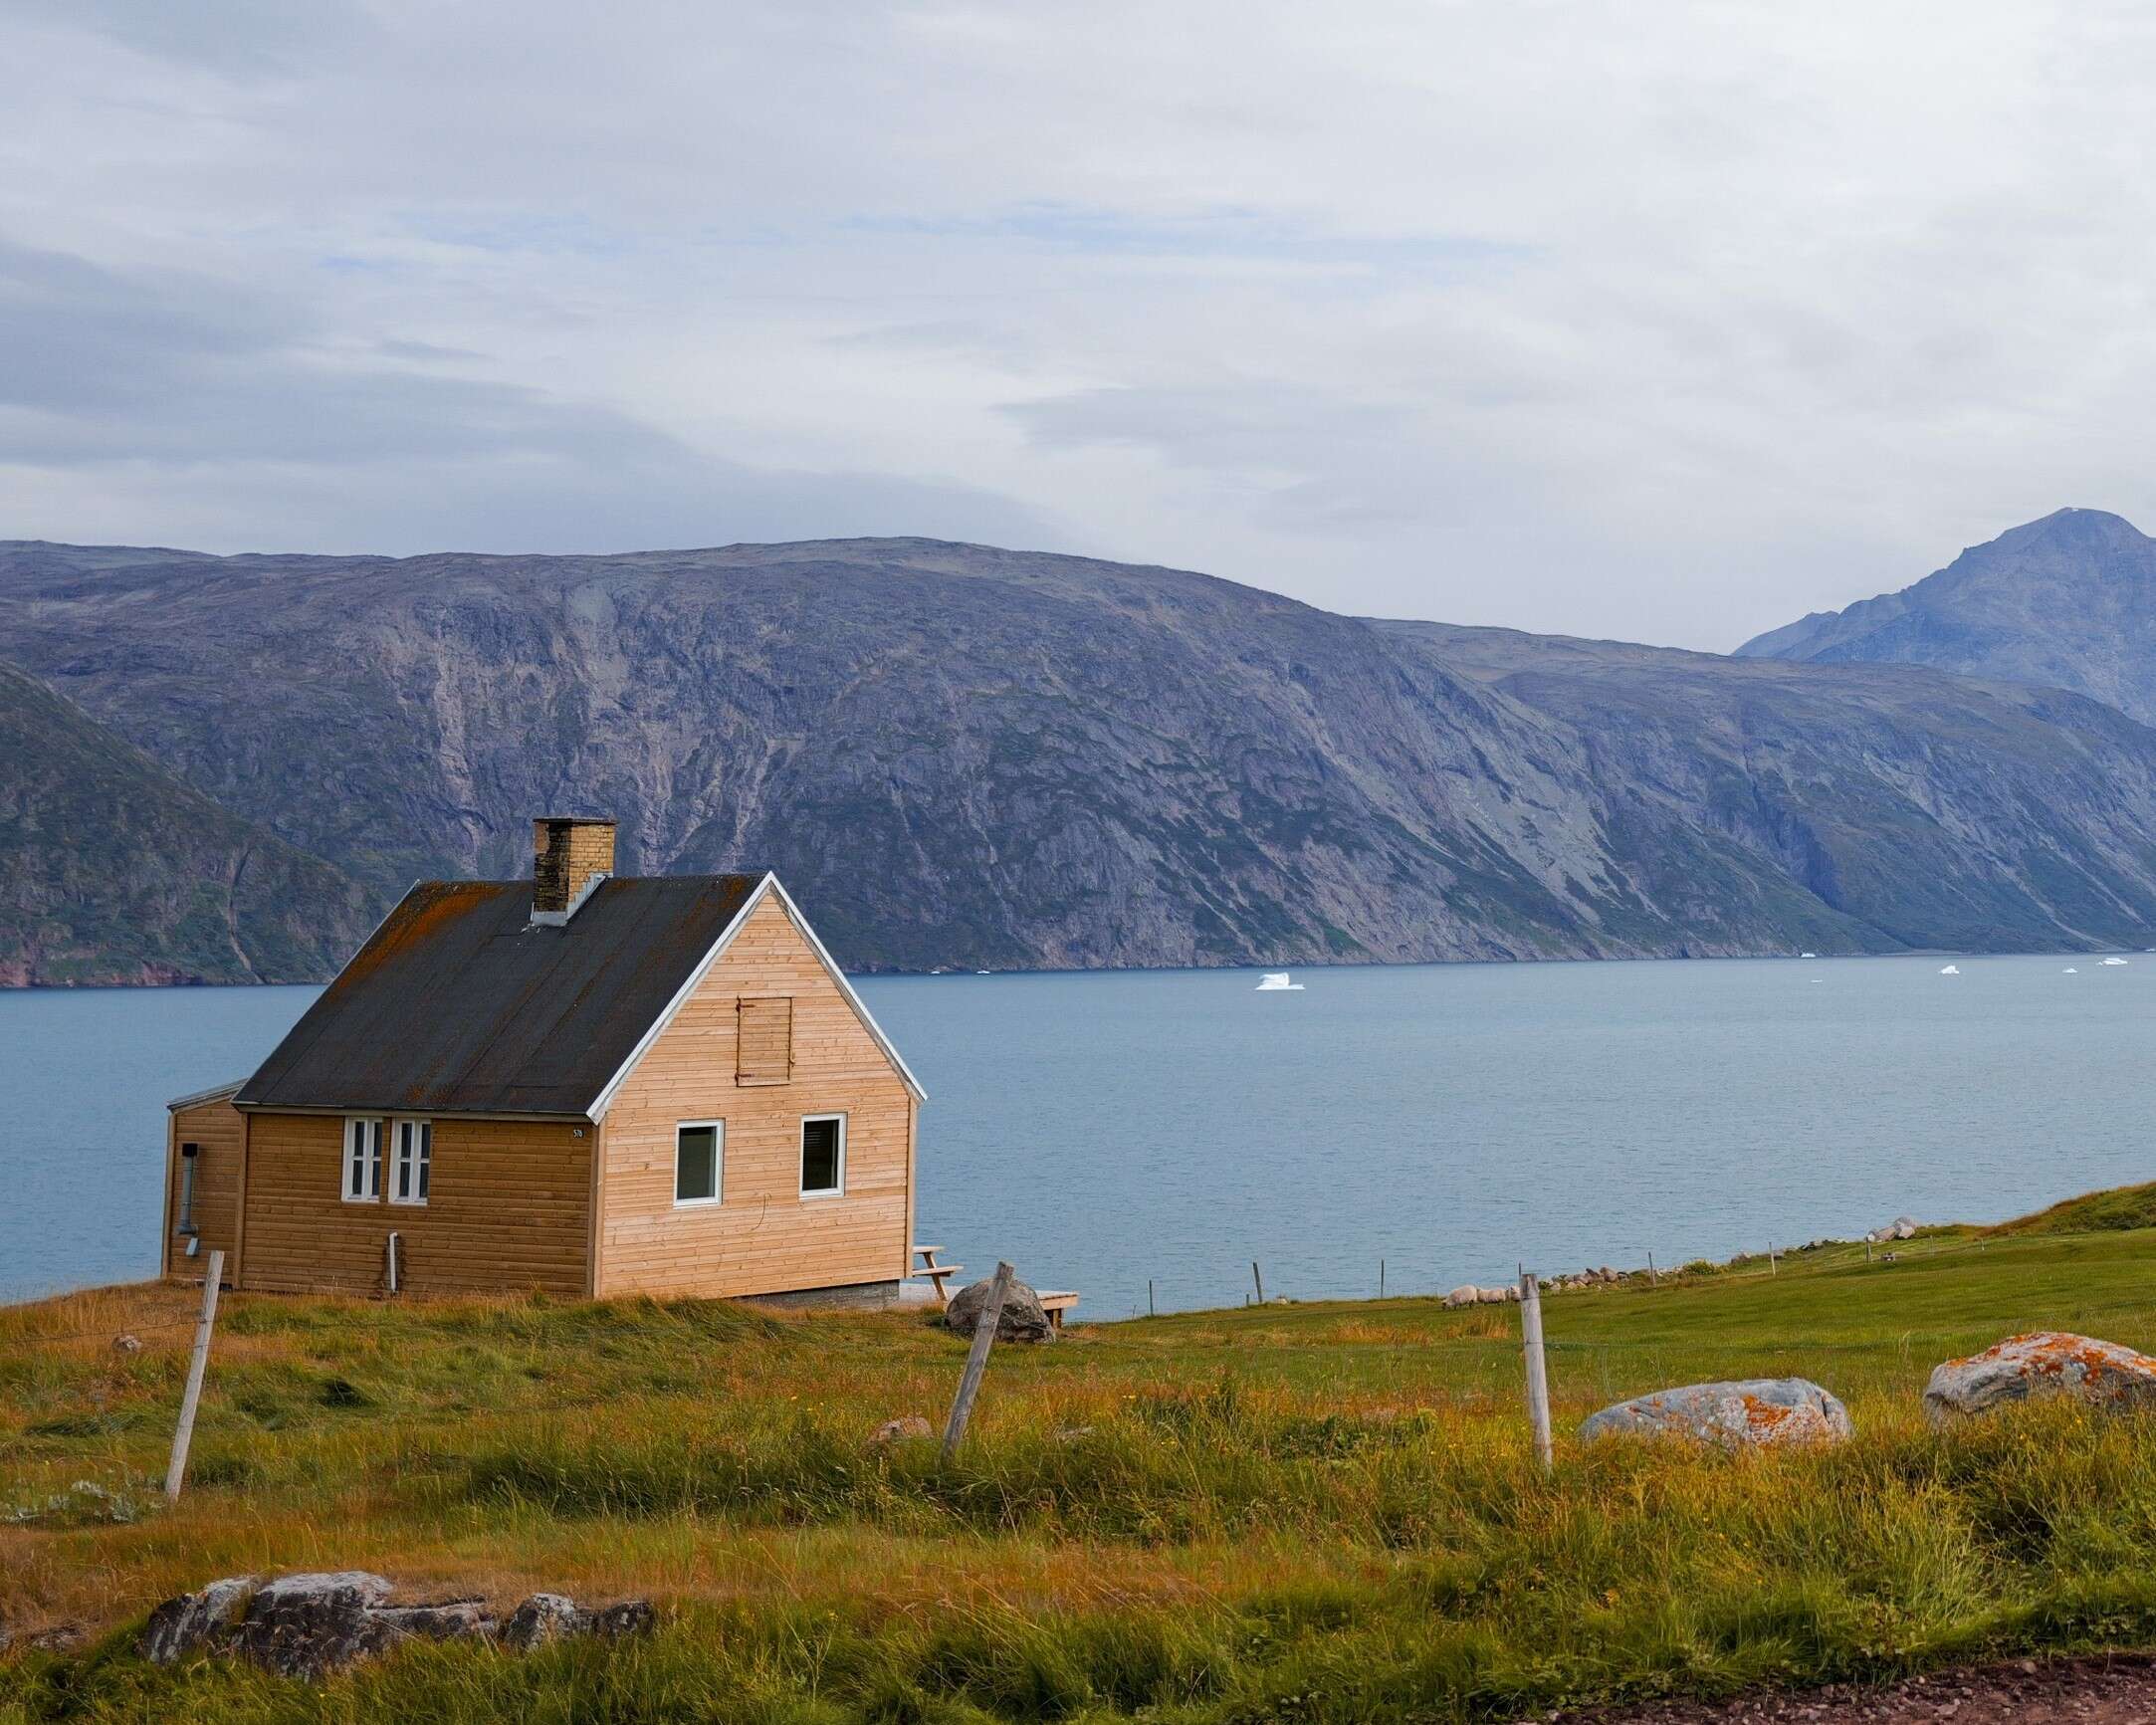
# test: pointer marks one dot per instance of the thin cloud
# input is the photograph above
(1670, 323)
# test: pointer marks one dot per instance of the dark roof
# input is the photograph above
(457, 1005)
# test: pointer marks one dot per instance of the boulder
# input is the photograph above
(1758, 1411)
(1022, 1318)
(306, 1626)
(2048, 1362)
(180, 1626)
(906, 1425)
(630, 1618)
(541, 1618)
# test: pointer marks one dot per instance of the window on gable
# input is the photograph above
(363, 1159)
(764, 1046)
(823, 1155)
(414, 1161)
(698, 1152)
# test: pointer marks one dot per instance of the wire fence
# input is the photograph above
(1494, 1346)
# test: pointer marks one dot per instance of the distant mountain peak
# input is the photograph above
(2066, 600)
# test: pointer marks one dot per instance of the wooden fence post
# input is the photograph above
(1380, 1279)
(976, 1362)
(184, 1435)
(1652, 1277)
(1538, 1375)
(1150, 1312)
(1260, 1280)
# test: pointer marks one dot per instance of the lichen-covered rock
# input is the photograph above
(543, 1617)
(2048, 1362)
(628, 1618)
(441, 1621)
(1024, 1320)
(180, 1626)
(900, 1430)
(306, 1626)
(1758, 1411)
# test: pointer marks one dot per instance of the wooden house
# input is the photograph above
(579, 1083)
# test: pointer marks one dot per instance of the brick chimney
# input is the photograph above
(570, 856)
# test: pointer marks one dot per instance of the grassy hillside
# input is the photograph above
(1286, 1513)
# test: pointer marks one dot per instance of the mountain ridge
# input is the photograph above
(2067, 600)
(976, 758)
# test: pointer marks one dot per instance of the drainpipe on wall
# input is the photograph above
(394, 1240)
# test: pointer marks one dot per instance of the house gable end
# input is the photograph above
(769, 889)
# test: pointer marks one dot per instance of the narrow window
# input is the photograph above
(363, 1159)
(764, 1041)
(823, 1155)
(414, 1161)
(699, 1146)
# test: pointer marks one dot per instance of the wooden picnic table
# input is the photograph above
(1054, 1301)
(935, 1272)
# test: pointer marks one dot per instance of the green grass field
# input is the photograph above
(1285, 1513)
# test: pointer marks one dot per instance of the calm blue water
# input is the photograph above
(1452, 1120)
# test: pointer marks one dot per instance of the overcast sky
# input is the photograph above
(1654, 320)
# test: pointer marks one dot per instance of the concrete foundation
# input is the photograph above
(854, 1297)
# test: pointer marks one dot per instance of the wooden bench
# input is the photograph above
(934, 1272)
(1055, 1302)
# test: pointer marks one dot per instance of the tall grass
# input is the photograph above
(1301, 1513)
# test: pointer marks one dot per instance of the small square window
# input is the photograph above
(823, 1155)
(697, 1151)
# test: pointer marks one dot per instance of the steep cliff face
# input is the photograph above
(1928, 810)
(2069, 602)
(114, 871)
(967, 757)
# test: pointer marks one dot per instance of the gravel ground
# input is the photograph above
(2108, 1690)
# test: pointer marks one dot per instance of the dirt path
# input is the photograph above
(2108, 1690)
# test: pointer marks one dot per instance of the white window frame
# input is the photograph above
(801, 1150)
(356, 1158)
(718, 1165)
(424, 1163)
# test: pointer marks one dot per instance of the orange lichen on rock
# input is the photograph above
(2042, 1362)
(1761, 1411)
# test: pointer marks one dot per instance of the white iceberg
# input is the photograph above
(2114, 961)
(1808, 954)
(1274, 981)
(1950, 970)
(2069, 971)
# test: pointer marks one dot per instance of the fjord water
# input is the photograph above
(1452, 1120)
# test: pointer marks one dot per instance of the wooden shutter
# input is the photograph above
(764, 1049)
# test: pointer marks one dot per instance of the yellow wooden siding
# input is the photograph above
(764, 1052)
(508, 1210)
(216, 1129)
(763, 1238)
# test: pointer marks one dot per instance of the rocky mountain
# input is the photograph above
(1929, 810)
(2069, 602)
(973, 757)
(112, 870)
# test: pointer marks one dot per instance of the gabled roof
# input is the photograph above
(459, 1004)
